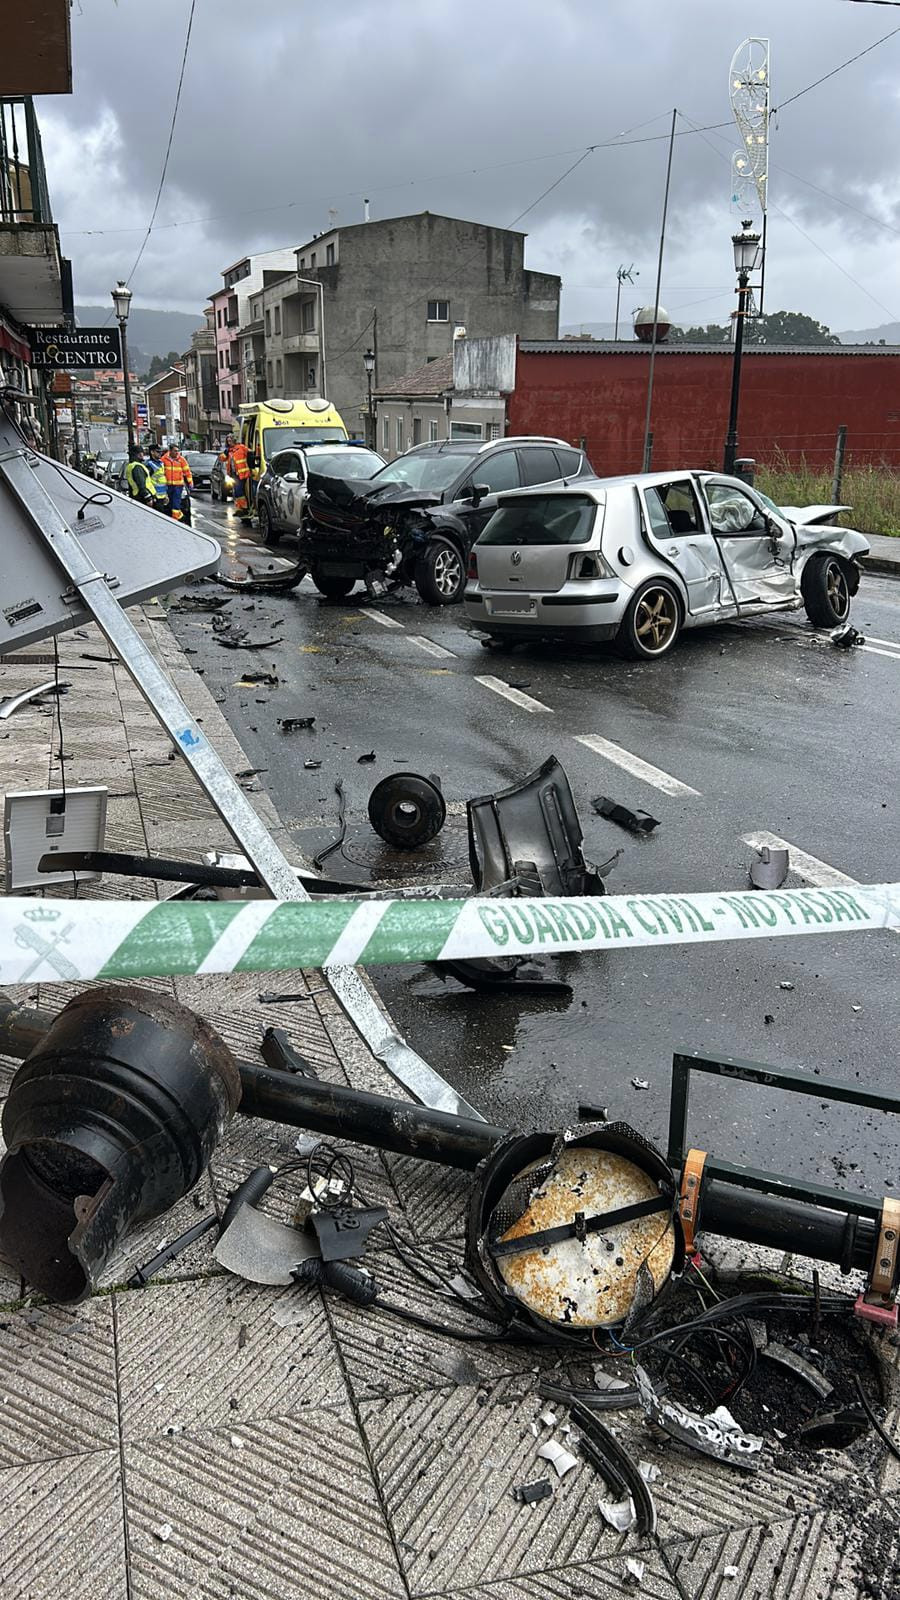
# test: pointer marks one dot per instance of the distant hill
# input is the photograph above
(150, 333)
(888, 333)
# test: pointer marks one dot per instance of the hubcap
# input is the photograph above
(837, 590)
(656, 620)
(447, 571)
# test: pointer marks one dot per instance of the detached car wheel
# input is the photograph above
(266, 531)
(652, 622)
(441, 573)
(825, 588)
(333, 588)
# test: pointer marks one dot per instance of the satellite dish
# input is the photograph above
(644, 320)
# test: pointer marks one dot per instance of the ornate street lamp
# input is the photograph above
(369, 364)
(121, 299)
(746, 256)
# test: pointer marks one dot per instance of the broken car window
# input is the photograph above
(681, 508)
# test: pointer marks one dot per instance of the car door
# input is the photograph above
(294, 490)
(279, 469)
(498, 473)
(676, 528)
(757, 560)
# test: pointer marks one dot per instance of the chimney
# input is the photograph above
(365, 211)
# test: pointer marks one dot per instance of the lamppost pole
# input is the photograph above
(369, 364)
(121, 299)
(746, 252)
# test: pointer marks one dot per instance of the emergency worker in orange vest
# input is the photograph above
(178, 480)
(238, 460)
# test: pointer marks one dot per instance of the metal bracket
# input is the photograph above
(878, 1302)
(689, 1199)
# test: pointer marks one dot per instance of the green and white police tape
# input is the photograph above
(57, 941)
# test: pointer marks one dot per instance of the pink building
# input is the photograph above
(230, 306)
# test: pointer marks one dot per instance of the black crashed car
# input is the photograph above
(281, 496)
(416, 520)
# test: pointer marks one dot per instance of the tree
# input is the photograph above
(162, 364)
(776, 327)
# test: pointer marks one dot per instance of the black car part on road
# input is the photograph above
(407, 810)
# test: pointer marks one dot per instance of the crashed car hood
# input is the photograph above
(803, 516)
(824, 536)
(401, 495)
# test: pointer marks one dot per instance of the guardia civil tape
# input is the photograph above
(57, 941)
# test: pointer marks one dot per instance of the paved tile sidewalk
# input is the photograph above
(206, 1438)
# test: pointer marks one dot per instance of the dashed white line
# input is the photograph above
(872, 650)
(429, 646)
(379, 616)
(809, 867)
(892, 644)
(634, 764)
(525, 701)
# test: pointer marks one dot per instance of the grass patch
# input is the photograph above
(873, 492)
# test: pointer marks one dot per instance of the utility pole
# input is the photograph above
(648, 437)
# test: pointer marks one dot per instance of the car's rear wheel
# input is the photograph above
(652, 622)
(332, 587)
(441, 573)
(826, 592)
(266, 532)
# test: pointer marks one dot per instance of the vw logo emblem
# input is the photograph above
(516, 558)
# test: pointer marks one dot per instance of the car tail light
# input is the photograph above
(588, 566)
(473, 566)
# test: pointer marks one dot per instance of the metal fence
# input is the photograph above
(23, 181)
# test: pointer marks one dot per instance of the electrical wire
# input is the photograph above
(834, 71)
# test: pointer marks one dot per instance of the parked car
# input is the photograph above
(281, 496)
(417, 519)
(221, 483)
(115, 465)
(638, 559)
(201, 463)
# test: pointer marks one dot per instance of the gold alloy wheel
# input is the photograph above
(837, 590)
(656, 621)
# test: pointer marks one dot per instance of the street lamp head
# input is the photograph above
(746, 248)
(369, 360)
(121, 299)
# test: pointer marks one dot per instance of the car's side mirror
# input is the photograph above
(292, 477)
(477, 491)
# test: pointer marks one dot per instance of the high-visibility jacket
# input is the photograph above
(158, 485)
(177, 471)
(137, 476)
(238, 461)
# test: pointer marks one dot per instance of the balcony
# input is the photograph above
(31, 270)
(301, 344)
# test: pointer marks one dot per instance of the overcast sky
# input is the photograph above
(291, 113)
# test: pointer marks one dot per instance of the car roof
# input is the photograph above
(637, 480)
(474, 447)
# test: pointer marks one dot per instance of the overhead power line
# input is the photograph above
(165, 165)
(835, 70)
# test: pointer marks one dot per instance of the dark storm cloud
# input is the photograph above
(403, 102)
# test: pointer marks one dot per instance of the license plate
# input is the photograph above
(515, 605)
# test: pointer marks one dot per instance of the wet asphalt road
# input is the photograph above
(773, 728)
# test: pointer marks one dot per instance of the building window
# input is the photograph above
(439, 311)
(268, 324)
(493, 430)
(219, 317)
(277, 323)
(399, 436)
(278, 373)
(311, 375)
(432, 430)
(312, 259)
(221, 358)
(466, 430)
(417, 430)
(308, 316)
(329, 255)
(269, 373)
(302, 263)
(386, 432)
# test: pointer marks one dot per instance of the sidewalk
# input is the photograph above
(885, 555)
(202, 1437)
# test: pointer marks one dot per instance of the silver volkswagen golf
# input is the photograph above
(638, 559)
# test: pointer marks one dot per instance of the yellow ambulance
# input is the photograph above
(272, 425)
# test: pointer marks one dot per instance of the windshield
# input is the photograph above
(425, 471)
(199, 461)
(344, 463)
(543, 519)
(275, 439)
(767, 502)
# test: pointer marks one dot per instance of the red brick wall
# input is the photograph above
(789, 402)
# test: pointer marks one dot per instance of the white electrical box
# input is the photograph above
(39, 822)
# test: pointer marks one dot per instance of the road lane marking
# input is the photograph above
(429, 646)
(892, 644)
(379, 616)
(816, 872)
(515, 695)
(634, 764)
(871, 650)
